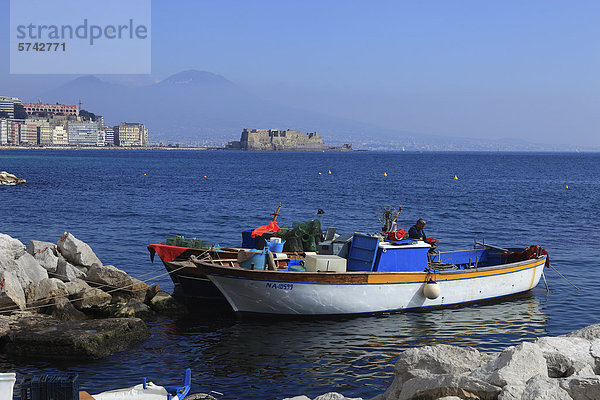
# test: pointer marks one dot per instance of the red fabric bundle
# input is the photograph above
(272, 227)
(396, 235)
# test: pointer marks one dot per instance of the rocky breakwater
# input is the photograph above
(9, 179)
(550, 368)
(60, 301)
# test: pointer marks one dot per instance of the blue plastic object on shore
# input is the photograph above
(57, 387)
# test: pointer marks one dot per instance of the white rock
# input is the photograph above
(37, 247)
(432, 387)
(12, 296)
(110, 276)
(34, 271)
(514, 366)
(76, 252)
(438, 359)
(44, 253)
(566, 356)
(75, 286)
(297, 398)
(9, 265)
(12, 248)
(511, 392)
(582, 387)
(45, 292)
(67, 272)
(544, 388)
(591, 332)
(335, 396)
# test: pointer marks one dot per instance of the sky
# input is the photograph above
(527, 70)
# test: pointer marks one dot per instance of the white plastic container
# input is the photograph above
(324, 263)
(7, 382)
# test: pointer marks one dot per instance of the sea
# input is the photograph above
(120, 201)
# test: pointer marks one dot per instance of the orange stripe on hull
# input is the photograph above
(411, 277)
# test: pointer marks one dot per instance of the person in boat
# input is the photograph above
(416, 231)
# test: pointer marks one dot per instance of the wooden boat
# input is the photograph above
(149, 391)
(186, 279)
(376, 276)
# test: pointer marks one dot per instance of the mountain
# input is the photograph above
(199, 107)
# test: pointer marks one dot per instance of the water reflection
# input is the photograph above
(274, 358)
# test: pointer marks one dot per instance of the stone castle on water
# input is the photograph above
(273, 139)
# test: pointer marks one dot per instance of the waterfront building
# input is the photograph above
(44, 130)
(60, 136)
(131, 134)
(13, 130)
(109, 136)
(3, 131)
(51, 109)
(274, 139)
(7, 105)
(28, 134)
(84, 133)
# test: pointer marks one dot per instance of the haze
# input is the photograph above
(487, 70)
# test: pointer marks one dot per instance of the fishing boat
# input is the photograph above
(149, 391)
(360, 274)
(386, 277)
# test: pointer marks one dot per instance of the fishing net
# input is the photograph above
(303, 236)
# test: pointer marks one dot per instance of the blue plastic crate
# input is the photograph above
(363, 251)
(56, 387)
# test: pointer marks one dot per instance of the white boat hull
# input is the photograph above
(273, 296)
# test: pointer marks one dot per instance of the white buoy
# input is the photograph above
(431, 290)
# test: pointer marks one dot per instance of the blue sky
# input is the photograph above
(517, 69)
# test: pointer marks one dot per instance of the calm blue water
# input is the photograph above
(121, 201)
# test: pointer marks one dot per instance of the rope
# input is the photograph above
(6, 309)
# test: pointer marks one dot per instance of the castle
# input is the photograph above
(273, 139)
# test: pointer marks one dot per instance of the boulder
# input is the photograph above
(33, 270)
(38, 247)
(438, 359)
(6, 178)
(12, 248)
(76, 252)
(543, 388)
(12, 296)
(514, 366)
(91, 298)
(511, 392)
(582, 387)
(47, 259)
(109, 277)
(590, 332)
(67, 272)
(61, 308)
(75, 286)
(43, 293)
(335, 396)
(134, 309)
(164, 303)
(137, 291)
(434, 386)
(44, 337)
(566, 356)
(4, 327)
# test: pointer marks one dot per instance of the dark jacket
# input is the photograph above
(414, 233)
